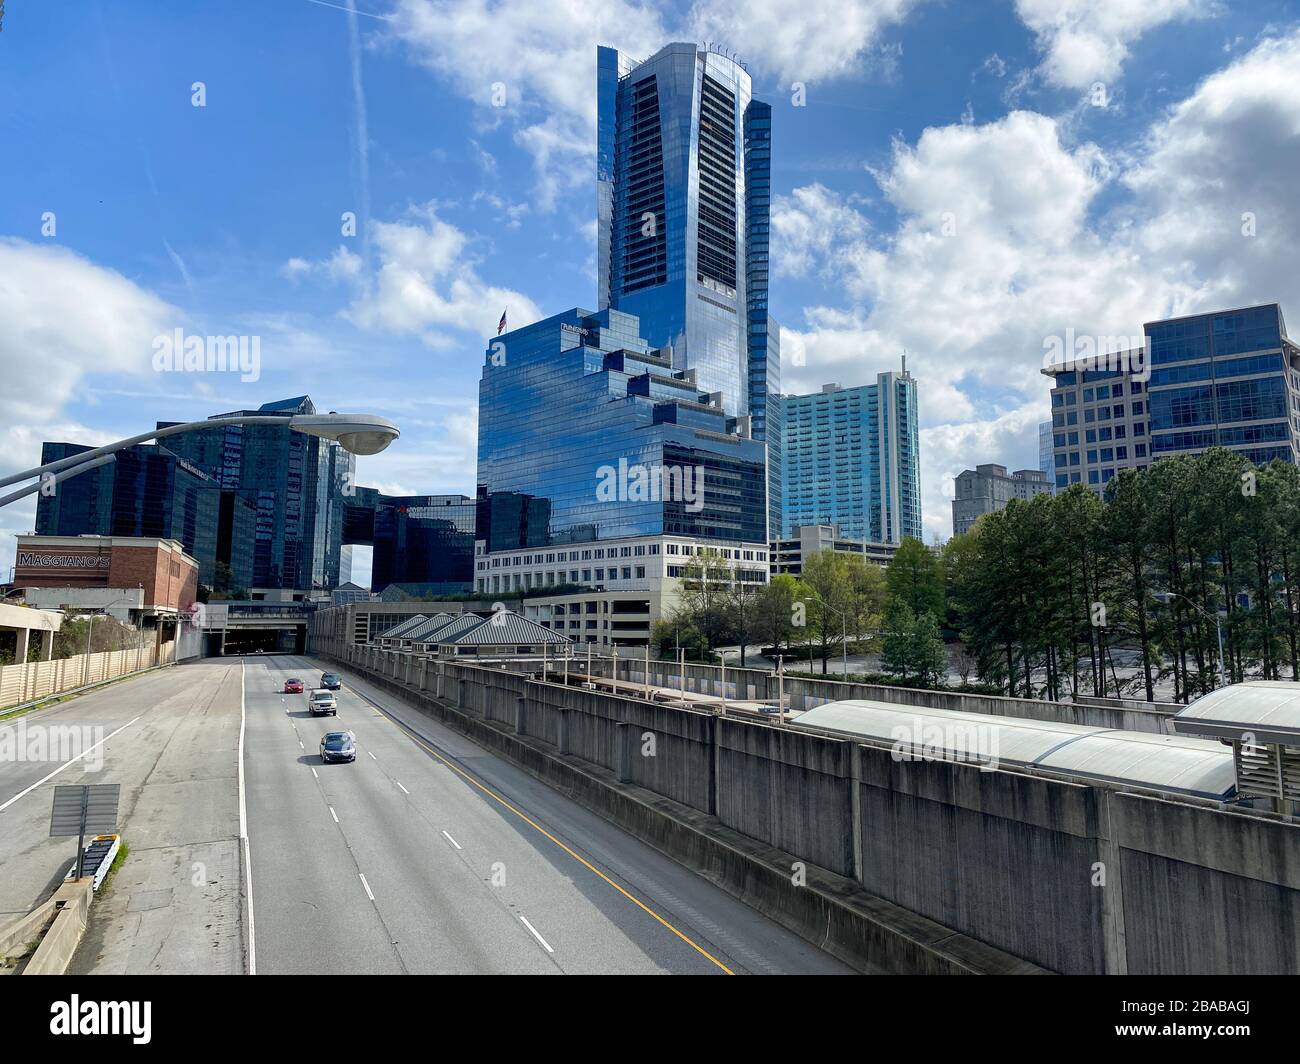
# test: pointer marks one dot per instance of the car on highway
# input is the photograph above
(293, 687)
(323, 703)
(330, 681)
(338, 746)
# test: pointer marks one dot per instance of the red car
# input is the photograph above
(293, 687)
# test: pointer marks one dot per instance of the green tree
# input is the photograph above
(915, 578)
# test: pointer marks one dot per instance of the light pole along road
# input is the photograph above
(361, 434)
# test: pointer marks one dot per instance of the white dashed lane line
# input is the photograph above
(451, 840)
(545, 945)
(401, 788)
(334, 814)
(367, 886)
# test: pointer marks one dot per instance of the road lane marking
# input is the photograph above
(372, 756)
(452, 841)
(416, 738)
(545, 945)
(334, 815)
(401, 788)
(70, 761)
(313, 772)
(300, 746)
(366, 885)
(243, 831)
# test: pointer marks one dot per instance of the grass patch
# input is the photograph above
(122, 851)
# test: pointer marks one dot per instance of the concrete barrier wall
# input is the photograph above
(1006, 858)
(790, 789)
(1067, 876)
(1207, 893)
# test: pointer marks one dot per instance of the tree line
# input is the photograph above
(1047, 592)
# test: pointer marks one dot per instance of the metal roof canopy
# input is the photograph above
(1267, 711)
(439, 622)
(405, 626)
(504, 628)
(1161, 762)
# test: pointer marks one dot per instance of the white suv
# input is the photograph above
(322, 702)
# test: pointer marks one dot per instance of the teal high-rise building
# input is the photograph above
(852, 458)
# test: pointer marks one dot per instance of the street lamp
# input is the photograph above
(844, 627)
(1168, 596)
(362, 434)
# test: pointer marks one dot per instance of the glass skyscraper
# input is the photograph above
(295, 485)
(417, 539)
(852, 458)
(587, 433)
(1229, 378)
(683, 210)
(148, 491)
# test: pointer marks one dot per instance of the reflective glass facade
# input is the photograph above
(683, 212)
(148, 491)
(295, 485)
(1226, 378)
(418, 539)
(572, 407)
(852, 458)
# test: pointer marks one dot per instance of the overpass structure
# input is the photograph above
(243, 627)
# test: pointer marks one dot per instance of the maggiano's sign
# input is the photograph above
(32, 560)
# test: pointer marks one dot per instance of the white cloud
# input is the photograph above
(426, 283)
(807, 225)
(1086, 41)
(805, 40)
(1005, 238)
(63, 317)
(543, 57)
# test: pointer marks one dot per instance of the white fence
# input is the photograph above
(39, 679)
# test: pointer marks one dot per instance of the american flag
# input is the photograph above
(501, 325)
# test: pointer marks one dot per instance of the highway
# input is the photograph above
(426, 855)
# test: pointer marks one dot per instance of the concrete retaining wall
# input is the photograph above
(922, 866)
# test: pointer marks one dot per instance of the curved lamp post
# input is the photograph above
(357, 433)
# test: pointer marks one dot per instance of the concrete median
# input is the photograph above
(54, 954)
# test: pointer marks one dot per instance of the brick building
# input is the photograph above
(137, 580)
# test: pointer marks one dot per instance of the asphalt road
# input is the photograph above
(169, 739)
(429, 854)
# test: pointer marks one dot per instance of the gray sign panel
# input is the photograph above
(98, 801)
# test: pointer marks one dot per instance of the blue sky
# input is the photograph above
(964, 180)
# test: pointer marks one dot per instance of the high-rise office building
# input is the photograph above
(1045, 460)
(683, 210)
(1224, 378)
(148, 491)
(425, 540)
(852, 459)
(990, 487)
(602, 466)
(296, 485)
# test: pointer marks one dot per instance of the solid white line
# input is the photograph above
(65, 764)
(401, 788)
(545, 945)
(451, 840)
(372, 756)
(243, 831)
(367, 886)
(334, 815)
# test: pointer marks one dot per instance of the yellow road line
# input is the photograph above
(533, 824)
